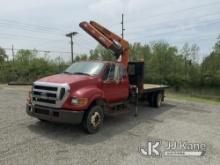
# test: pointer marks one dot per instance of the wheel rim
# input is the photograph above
(159, 100)
(95, 119)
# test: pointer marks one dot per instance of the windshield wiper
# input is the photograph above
(82, 73)
(65, 72)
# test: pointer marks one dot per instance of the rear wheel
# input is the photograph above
(155, 99)
(93, 119)
(158, 100)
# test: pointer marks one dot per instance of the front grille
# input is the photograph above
(62, 93)
(44, 100)
(49, 94)
(45, 88)
(54, 95)
(45, 94)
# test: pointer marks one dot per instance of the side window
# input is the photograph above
(110, 72)
(115, 72)
(105, 77)
(123, 72)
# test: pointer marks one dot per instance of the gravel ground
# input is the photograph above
(25, 140)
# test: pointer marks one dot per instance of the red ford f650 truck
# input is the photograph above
(87, 91)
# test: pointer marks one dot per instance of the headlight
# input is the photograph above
(79, 101)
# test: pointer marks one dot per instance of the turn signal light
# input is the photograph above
(79, 101)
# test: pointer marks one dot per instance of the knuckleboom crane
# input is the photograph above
(112, 41)
(108, 39)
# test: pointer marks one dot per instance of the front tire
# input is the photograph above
(42, 120)
(93, 119)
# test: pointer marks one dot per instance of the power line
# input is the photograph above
(200, 37)
(206, 15)
(130, 22)
(155, 7)
(172, 21)
(44, 51)
(25, 36)
(174, 12)
(11, 35)
(27, 29)
(186, 28)
(46, 29)
(42, 27)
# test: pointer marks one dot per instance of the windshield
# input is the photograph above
(85, 68)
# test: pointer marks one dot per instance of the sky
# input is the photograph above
(42, 24)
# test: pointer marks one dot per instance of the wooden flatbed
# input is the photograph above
(153, 87)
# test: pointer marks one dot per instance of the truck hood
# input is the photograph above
(65, 78)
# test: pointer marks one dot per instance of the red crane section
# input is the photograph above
(108, 39)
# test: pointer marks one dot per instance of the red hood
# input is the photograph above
(65, 78)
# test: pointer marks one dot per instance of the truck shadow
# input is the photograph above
(73, 134)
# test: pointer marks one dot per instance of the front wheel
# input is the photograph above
(93, 119)
(42, 120)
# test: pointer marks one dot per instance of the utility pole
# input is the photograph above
(12, 50)
(122, 25)
(71, 42)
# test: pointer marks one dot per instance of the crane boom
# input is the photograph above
(107, 39)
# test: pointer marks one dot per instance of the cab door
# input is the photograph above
(122, 82)
(115, 86)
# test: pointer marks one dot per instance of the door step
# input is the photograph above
(118, 109)
(119, 112)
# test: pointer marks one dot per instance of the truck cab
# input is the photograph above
(69, 97)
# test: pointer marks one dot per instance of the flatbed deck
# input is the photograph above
(153, 87)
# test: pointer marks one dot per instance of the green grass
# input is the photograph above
(193, 97)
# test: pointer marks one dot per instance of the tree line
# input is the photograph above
(28, 66)
(164, 64)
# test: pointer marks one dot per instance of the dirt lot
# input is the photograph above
(25, 140)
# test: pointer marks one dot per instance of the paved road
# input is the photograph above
(25, 140)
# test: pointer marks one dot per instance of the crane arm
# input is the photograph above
(112, 36)
(107, 39)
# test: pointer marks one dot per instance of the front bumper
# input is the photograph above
(54, 114)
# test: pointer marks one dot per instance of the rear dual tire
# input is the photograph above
(155, 100)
